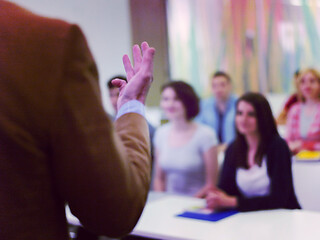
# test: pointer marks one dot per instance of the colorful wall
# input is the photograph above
(260, 43)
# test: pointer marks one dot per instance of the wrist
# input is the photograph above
(122, 101)
(134, 106)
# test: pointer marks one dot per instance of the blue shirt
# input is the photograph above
(209, 115)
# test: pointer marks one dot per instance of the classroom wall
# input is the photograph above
(149, 23)
(106, 24)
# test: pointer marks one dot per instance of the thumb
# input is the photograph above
(120, 83)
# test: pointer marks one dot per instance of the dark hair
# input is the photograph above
(109, 83)
(187, 96)
(266, 125)
(221, 74)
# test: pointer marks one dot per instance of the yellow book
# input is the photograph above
(308, 155)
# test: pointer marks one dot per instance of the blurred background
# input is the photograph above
(260, 43)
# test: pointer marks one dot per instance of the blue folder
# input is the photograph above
(212, 217)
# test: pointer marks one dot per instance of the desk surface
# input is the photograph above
(159, 220)
(306, 179)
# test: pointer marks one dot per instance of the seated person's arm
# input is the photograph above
(159, 181)
(211, 169)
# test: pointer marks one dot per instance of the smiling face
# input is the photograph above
(246, 120)
(172, 105)
(309, 86)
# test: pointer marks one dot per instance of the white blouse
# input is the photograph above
(254, 182)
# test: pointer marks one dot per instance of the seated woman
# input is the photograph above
(303, 123)
(256, 173)
(185, 151)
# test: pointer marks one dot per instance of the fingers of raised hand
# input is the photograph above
(147, 60)
(128, 67)
(144, 47)
(137, 58)
(143, 62)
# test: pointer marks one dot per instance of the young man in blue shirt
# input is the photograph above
(218, 111)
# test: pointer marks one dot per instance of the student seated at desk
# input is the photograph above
(303, 123)
(256, 173)
(185, 151)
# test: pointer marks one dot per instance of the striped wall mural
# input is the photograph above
(260, 43)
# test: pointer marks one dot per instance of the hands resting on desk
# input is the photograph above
(218, 199)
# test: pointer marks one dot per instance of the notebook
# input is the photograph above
(206, 214)
(308, 156)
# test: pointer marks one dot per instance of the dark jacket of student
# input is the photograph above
(282, 193)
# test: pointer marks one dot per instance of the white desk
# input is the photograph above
(159, 220)
(306, 180)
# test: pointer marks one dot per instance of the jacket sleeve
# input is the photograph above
(281, 186)
(227, 180)
(102, 171)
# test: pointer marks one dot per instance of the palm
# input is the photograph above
(139, 75)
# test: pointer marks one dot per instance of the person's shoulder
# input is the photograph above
(30, 22)
(295, 108)
(233, 97)
(230, 151)
(163, 128)
(293, 98)
(161, 133)
(278, 151)
(231, 146)
(207, 101)
(205, 129)
(233, 100)
(277, 142)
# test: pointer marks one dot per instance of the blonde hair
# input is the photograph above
(302, 73)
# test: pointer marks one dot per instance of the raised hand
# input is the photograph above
(139, 75)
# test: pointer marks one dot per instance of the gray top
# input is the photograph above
(184, 165)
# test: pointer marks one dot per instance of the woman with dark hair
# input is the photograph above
(256, 173)
(185, 151)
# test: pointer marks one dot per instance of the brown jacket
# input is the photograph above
(57, 145)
